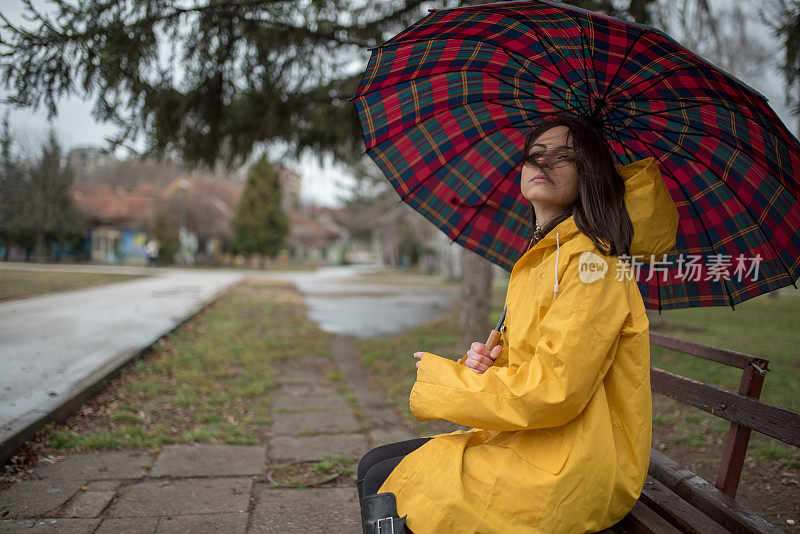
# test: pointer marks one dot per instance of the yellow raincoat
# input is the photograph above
(562, 421)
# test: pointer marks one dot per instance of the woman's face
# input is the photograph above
(549, 176)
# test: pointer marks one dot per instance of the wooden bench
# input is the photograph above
(674, 499)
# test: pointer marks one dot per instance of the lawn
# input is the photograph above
(207, 381)
(16, 284)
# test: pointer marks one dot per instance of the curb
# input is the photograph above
(13, 435)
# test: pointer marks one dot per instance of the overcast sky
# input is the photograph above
(321, 184)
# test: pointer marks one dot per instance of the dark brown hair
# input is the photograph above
(600, 211)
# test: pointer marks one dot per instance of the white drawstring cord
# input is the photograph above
(555, 285)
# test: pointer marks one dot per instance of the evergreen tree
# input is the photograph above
(167, 236)
(238, 72)
(35, 197)
(48, 201)
(260, 226)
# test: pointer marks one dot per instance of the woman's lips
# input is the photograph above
(540, 179)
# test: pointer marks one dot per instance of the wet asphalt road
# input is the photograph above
(50, 345)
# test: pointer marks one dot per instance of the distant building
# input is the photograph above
(313, 242)
(121, 220)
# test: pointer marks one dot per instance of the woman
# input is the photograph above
(561, 414)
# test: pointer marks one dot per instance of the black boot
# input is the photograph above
(379, 515)
(360, 486)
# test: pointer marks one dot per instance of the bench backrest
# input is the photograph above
(744, 410)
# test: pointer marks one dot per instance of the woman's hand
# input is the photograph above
(479, 359)
(418, 356)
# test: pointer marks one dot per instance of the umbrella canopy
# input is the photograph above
(445, 106)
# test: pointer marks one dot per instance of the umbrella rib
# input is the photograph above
(467, 104)
(701, 134)
(716, 103)
(585, 44)
(511, 55)
(486, 197)
(585, 39)
(640, 113)
(753, 218)
(661, 76)
(655, 80)
(606, 93)
(613, 133)
(411, 191)
(755, 225)
(491, 75)
(547, 50)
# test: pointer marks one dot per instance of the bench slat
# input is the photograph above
(680, 513)
(643, 520)
(706, 498)
(701, 350)
(773, 421)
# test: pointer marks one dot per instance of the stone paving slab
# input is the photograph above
(49, 526)
(383, 417)
(382, 436)
(88, 503)
(308, 403)
(104, 465)
(29, 498)
(316, 422)
(209, 460)
(182, 497)
(104, 485)
(306, 390)
(295, 376)
(351, 446)
(128, 525)
(281, 511)
(235, 523)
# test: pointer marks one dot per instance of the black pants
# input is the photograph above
(375, 467)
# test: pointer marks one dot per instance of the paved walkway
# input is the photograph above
(222, 488)
(342, 300)
(54, 348)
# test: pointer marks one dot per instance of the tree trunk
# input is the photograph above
(476, 298)
(40, 247)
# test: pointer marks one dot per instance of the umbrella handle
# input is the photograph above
(494, 336)
(494, 339)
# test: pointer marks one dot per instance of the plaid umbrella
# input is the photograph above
(445, 106)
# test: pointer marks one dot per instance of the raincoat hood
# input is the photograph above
(650, 207)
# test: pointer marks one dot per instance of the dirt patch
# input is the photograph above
(771, 488)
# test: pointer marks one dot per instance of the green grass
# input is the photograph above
(764, 326)
(15, 284)
(208, 381)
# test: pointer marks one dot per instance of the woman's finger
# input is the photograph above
(478, 365)
(479, 348)
(479, 368)
(496, 352)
